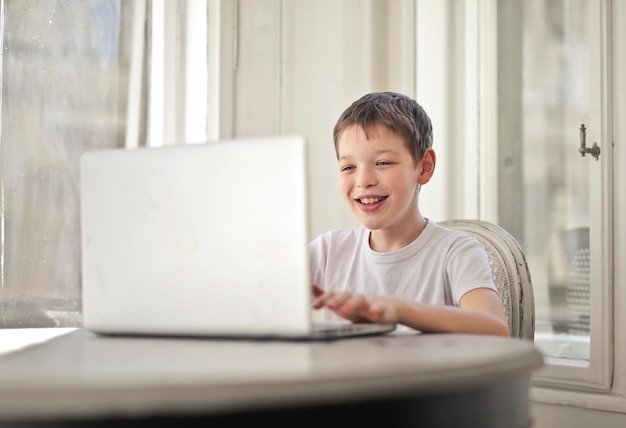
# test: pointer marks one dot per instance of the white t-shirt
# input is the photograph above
(439, 267)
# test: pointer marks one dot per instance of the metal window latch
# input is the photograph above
(594, 150)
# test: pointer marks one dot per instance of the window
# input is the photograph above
(552, 86)
(63, 92)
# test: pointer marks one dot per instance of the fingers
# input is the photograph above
(353, 307)
(329, 299)
(356, 307)
(322, 297)
(317, 290)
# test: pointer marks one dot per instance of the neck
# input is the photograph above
(386, 240)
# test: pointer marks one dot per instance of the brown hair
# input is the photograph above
(398, 113)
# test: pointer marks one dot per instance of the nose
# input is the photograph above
(366, 177)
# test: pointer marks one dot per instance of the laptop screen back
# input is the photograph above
(202, 239)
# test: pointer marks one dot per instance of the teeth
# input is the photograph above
(367, 201)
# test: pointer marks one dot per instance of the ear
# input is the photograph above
(427, 166)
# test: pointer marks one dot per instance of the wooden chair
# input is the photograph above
(509, 270)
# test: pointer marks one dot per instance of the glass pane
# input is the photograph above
(63, 92)
(555, 101)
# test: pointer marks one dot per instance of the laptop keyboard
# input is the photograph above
(350, 329)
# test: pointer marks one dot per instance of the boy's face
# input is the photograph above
(379, 178)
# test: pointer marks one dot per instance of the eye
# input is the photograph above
(346, 168)
(384, 163)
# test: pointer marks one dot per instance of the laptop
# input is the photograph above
(201, 240)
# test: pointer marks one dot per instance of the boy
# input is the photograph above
(398, 267)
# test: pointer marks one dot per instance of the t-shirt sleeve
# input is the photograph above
(468, 268)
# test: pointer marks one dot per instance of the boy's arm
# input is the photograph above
(480, 311)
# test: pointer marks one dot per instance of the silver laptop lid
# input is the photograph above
(205, 239)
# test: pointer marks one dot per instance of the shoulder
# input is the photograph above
(451, 238)
(454, 245)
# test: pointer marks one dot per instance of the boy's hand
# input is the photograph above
(357, 307)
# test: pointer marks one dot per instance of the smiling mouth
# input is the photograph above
(370, 201)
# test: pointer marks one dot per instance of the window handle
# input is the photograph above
(594, 150)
